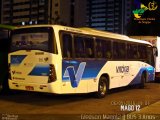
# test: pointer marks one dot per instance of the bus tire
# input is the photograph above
(143, 81)
(103, 87)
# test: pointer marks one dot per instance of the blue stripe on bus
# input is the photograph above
(40, 70)
(91, 69)
(137, 79)
(17, 59)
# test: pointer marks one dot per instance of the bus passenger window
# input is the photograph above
(119, 50)
(122, 50)
(132, 51)
(67, 45)
(108, 55)
(89, 45)
(115, 50)
(79, 47)
(103, 48)
(107, 49)
(142, 51)
(99, 48)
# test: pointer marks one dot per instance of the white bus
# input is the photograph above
(155, 41)
(62, 60)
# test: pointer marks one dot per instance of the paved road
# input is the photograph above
(122, 101)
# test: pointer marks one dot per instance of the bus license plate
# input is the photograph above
(29, 88)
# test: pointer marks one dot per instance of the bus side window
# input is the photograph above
(67, 45)
(132, 51)
(122, 50)
(115, 50)
(143, 52)
(99, 48)
(79, 47)
(107, 49)
(89, 45)
(103, 48)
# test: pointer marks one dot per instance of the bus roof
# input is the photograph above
(90, 31)
(104, 33)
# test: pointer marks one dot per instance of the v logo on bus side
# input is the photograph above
(75, 77)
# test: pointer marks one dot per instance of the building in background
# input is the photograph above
(109, 15)
(22, 12)
(17, 12)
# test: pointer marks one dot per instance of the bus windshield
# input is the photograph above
(38, 38)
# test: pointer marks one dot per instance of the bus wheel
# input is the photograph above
(102, 87)
(143, 80)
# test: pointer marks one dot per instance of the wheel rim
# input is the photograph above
(103, 88)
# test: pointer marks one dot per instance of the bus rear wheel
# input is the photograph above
(102, 87)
